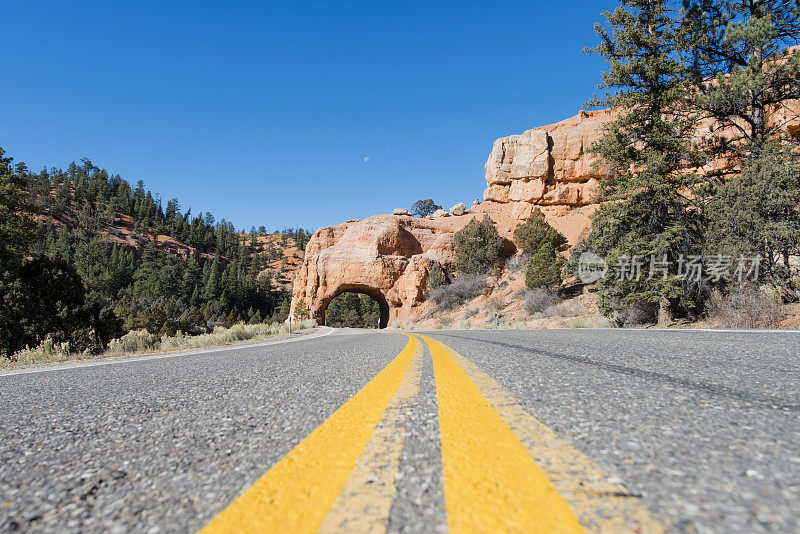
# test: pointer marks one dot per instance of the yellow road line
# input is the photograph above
(298, 491)
(601, 506)
(366, 499)
(491, 483)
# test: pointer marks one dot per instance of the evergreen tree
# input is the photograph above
(478, 247)
(742, 72)
(647, 147)
(16, 229)
(544, 268)
(746, 80)
(535, 232)
(192, 278)
(424, 208)
(755, 214)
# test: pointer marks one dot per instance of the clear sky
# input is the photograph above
(290, 113)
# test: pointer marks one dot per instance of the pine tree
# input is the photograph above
(213, 285)
(743, 73)
(535, 232)
(544, 268)
(746, 80)
(16, 229)
(192, 277)
(647, 147)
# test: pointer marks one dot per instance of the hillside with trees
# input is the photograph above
(87, 257)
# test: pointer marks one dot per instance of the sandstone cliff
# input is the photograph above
(547, 166)
(389, 256)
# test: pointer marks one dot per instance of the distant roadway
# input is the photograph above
(459, 430)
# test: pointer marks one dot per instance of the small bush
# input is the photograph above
(639, 314)
(478, 247)
(462, 289)
(535, 233)
(544, 269)
(518, 261)
(48, 350)
(539, 299)
(749, 308)
(133, 341)
(496, 303)
(436, 278)
(470, 312)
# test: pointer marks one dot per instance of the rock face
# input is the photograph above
(386, 256)
(547, 166)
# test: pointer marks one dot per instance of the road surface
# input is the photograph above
(560, 430)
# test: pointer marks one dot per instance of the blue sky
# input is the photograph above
(266, 113)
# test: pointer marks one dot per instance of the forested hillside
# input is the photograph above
(88, 257)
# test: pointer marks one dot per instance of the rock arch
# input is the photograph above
(375, 293)
(385, 256)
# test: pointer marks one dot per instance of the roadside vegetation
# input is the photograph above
(670, 195)
(85, 258)
(137, 342)
(670, 67)
(478, 247)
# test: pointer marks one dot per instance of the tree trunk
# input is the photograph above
(664, 313)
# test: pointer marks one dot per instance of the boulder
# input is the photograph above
(401, 211)
(458, 209)
(438, 214)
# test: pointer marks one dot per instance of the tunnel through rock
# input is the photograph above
(356, 309)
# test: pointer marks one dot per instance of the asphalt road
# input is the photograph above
(698, 431)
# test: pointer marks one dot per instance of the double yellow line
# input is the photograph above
(341, 477)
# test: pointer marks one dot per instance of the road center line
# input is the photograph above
(491, 483)
(366, 499)
(298, 491)
(601, 506)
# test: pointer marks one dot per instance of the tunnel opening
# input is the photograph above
(357, 308)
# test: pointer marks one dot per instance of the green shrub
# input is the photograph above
(535, 232)
(436, 278)
(544, 268)
(478, 247)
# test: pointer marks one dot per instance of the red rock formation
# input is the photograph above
(389, 256)
(547, 166)
(385, 256)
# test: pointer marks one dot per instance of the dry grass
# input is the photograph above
(461, 290)
(539, 300)
(141, 342)
(496, 303)
(748, 308)
(595, 321)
